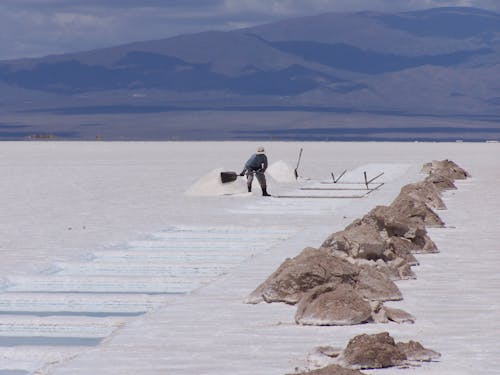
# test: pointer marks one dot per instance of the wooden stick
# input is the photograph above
(341, 175)
(372, 190)
(295, 171)
(374, 178)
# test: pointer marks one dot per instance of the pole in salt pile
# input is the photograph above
(295, 171)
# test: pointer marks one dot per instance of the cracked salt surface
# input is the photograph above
(37, 310)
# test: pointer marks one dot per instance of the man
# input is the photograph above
(257, 164)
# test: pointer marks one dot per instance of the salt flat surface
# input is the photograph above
(100, 242)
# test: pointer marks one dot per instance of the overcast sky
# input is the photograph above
(40, 27)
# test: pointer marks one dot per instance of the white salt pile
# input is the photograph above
(281, 172)
(210, 185)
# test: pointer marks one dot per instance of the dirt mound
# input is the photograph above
(296, 276)
(333, 304)
(445, 168)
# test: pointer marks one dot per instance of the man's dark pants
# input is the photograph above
(260, 177)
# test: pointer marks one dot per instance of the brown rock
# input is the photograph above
(333, 304)
(424, 245)
(332, 370)
(402, 233)
(404, 248)
(441, 183)
(445, 168)
(398, 315)
(404, 272)
(296, 276)
(375, 285)
(393, 269)
(415, 210)
(384, 268)
(373, 351)
(403, 220)
(357, 241)
(378, 313)
(425, 193)
(393, 223)
(414, 351)
(401, 269)
(382, 314)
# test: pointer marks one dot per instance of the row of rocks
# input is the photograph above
(347, 280)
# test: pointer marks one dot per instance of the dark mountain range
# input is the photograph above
(431, 69)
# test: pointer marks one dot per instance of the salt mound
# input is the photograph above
(210, 185)
(281, 172)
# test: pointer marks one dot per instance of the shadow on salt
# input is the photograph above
(11, 341)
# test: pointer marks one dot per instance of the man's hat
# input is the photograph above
(260, 150)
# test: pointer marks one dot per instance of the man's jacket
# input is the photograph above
(256, 162)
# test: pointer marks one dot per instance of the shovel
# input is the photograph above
(226, 177)
(295, 171)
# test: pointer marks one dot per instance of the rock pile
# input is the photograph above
(445, 168)
(373, 352)
(349, 277)
(347, 280)
(441, 183)
(296, 276)
(317, 267)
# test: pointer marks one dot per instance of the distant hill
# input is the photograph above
(441, 65)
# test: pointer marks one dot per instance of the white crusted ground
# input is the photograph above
(94, 234)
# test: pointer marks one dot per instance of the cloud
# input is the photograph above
(298, 7)
(39, 27)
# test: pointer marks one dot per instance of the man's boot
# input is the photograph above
(264, 193)
(249, 188)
